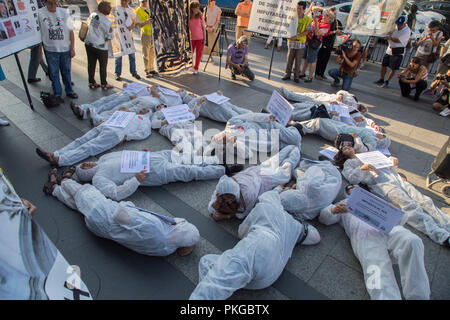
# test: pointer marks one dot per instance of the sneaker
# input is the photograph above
(195, 72)
(153, 73)
(233, 76)
(385, 84)
(379, 82)
(286, 77)
(136, 76)
(118, 78)
(445, 112)
(335, 83)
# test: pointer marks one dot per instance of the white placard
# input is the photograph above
(274, 17)
(19, 26)
(373, 210)
(329, 152)
(342, 110)
(217, 98)
(280, 108)
(123, 43)
(168, 92)
(135, 88)
(178, 113)
(120, 119)
(134, 161)
(375, 158)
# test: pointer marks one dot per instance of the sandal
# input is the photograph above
(45, 156)
(76, 110)
(107, 87)
(48, 188)
(93, 85)
(53, 172)
(72, 95)
(66, 174)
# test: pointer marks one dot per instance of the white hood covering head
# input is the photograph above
(228, 185)
(384, 142)
(184, 234)
(86, 175)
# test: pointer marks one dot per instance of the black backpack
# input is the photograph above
(49, 100)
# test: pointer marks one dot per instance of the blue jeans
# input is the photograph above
(346, 79)
(59, 62)
(132, 59)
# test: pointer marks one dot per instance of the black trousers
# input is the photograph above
(322, 60)
(245, 72)
(406, 88)
(94, 54)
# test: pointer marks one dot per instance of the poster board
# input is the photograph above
(374, 17)
(19, 26)
(276, 18)
(122, 44)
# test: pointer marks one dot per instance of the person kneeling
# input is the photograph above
(413, 77)
(237, 59)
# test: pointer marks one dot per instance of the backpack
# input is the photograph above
(49, 100)
(319, 112)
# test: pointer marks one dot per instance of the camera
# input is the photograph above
(346, 47)
(443, 77)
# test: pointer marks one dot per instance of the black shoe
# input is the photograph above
(34, 80)
(286, 77)
(308, 80)
(379, 82)
(296, 80)
(234, 168)
(118, 78)
(385, 84)
(233, 76)
(136, 76)
(72, 95)
(154, 73)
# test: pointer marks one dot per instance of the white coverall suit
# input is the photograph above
(107, 178)
(268, 235)
(102, 138)
(220, 112)
(374, 250)
(317, 186)
(139, 231)
(420, 210)
(254, 181)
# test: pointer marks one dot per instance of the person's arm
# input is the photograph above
(72, 44)
(140, 24)
(419, 76)
(396, 40)
(351, 63)
(217, 20)
(112, 190)
(245, 63)
(241, 13)
(443, 49)
(157, 122)
(327, 217)
(413, 25)
(437, 41)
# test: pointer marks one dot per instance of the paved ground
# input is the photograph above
(328, 270)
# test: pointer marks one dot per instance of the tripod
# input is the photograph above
(220, 36)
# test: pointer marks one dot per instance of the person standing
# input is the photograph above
(428, 44)
(197, 30)
(36, 58)
(327, 46)
(243, 11)
(145, 23)
(130, 22)
(59, 46)
(212, 16)
(411, 21)
(296, 44)
(99, 34)
(394, 53)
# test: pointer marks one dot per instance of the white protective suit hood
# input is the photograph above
(228, 185)
(184, 234)
(383, 143)
(86, 175)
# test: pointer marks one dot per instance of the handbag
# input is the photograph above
(83, 31)
(314, 43)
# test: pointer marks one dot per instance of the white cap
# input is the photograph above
(228, 185)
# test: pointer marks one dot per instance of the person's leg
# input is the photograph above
(304, 62)
(280, 43)
(35, 59)
(103, 60)
(53, 68)
(405, 88)
(248, 34)
(346, 82)
(248, 73)
(420, 86)
(298, 55)
(132, 58)
(91, 63)
(278, 169)
(269, 40)
(65, 67)
(145, 42)
(320, 65)
(335, 74)
(66, 192)
(151, 55)
(407, 248)
(290, 60)
(199, 53)
(118, 69)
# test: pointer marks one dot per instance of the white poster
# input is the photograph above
(375, 158)
(136, 88)
(123, 43)
(120, 119)
(178, 113)
(374, 17)
(19, 26)
(168, 92)
(280, 108)
(342, 110)
(217, 98)
(134, 161)
(372, 210)
(274, 17)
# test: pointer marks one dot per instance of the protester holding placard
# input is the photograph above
(144, 22)
(59, 46)
(98, 37)
(243, 11)
(296, 44)
(394, 53)
(420, 210)
(129, 16)
(374, 250)
(197, 30)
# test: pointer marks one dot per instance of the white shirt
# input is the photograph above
(427, 46)
(402, 35)
(128, 14)
(55, 29)
(100, 31)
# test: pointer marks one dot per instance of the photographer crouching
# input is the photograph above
(349, 55)
(413, 77)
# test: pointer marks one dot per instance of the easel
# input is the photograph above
(271, 58)
(222, 34)
(23, 81)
